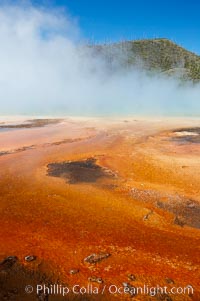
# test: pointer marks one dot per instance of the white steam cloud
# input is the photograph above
(43, 70)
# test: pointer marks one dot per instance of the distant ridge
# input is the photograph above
(157, 55)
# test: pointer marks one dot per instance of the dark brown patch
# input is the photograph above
(31, 124)
(24, 148)
(79, 171)
(187, 138)
(94, 258)
(186, 210)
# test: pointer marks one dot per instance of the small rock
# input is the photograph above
(169, 280)
(29, 258)
(131, 277)
(95, 279)
(74, 271)
(146, 217)
(191, 205)
(14, 291)
(8, 262)
(94, 258)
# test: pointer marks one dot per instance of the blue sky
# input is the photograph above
(112, 20)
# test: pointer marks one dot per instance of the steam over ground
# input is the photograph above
(46, 69)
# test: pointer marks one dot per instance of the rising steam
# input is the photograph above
(45, 69)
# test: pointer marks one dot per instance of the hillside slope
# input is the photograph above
(155, 55)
